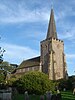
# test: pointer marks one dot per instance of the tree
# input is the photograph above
(34, 82)
(1, 78)
(67, 84)
(5, 69)
(1, 54)
(6, 66)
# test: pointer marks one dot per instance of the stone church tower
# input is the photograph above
(52, 53)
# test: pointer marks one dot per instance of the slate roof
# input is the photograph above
(30, 62)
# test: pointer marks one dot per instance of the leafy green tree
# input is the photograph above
(1, 54)
(34, 82)
(1, 78)
(5, 69)
(6, 66)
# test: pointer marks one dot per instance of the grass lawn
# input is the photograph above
(21, 97)
(65, 96)
(68, 96)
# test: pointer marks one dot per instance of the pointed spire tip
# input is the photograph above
(52, 27)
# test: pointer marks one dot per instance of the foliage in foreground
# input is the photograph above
(67, 95)
(35, 83)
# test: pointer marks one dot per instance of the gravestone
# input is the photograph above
(48, 95)
(10, 89)
(58, 91)
(14, 91)
(59, 97)
(53, 97)
(42, 97)
(26, 95)
(74, 91)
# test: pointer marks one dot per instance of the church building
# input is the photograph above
(52, 59)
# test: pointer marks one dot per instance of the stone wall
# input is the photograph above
(5, 95)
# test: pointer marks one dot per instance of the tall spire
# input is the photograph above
(52, 27)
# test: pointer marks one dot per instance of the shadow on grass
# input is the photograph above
(68, 98)
(18, 97)
(65, 96)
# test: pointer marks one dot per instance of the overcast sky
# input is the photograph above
(24, 23)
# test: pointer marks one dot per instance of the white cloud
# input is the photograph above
(65, 10)
(69, 35)
(70, 56)
(16, 54)
(21, 14)
(64, 20)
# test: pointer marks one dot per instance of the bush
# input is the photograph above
(67, 84)
(34, 82)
